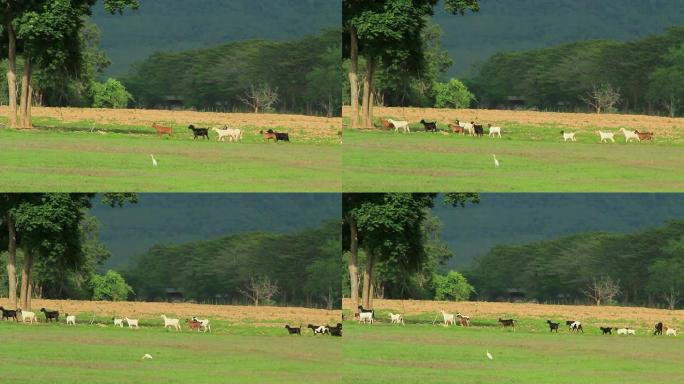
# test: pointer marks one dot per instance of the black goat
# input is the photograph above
(553, 326)
(293, 330)
(277, 136)
(9, 314)
(606, 330)
(336, 330)
(658, 329)
(199, 132)
(50, 315)
(479, 130)
(507, 323)
(429, 126)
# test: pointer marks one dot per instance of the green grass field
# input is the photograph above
(533, 159)
(50, 353)
(383, 353)
(71, 158)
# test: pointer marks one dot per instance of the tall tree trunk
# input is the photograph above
(367, 86)
(12, 74)
(26, 280)
(354, 78)
(29, 105)
(367, 280)
(26, 93)
(368, 94)
(12, 262)
(354, 266)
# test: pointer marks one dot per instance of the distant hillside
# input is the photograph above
(304, 72)
(305, 266)
(523, 218)
(176, 25)
(503, 25)
(179, 218)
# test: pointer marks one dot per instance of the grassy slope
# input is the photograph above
(57, 353)
(533, 159)
(426, 354)
(72, 160)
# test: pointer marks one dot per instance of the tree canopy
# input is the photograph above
(647, 263)
(387, 33)
(305, 73)
(304, 265)
(559, 78)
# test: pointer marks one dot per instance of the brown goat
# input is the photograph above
(386, 124)
(644, 135)
(162, 130)
(455, 128)
(194, 324)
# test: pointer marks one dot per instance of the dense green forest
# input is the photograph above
(304, 73)
(505, 26)
(305, 266)
(179, 25)
(647, 73)
(185, 217)
(647, 267)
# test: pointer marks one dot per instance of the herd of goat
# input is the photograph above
(317, 330)
(223, 133)
(194, 323)
(478, 130)
(367, 316)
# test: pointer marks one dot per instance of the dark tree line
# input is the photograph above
(304, 73)
(647, 266)
(304, 267)
(647, 73)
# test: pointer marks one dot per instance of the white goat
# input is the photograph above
(631, 331)
(629, 135)
(173, 323)
(568, 136)
(404, 125)
(132, 323)
(605, 136)
(118, 322)
(31, 316)
(70, 319)
(493, 131)
(204, 323)
(233, 134)
(449, 318)
(366, 317)
(396, 318)
(626, 331)
(470, 128)
(671, 332)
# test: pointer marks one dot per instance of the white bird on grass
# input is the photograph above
(147, 356)
(489, 355)
(496, 162)
(154, 161)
